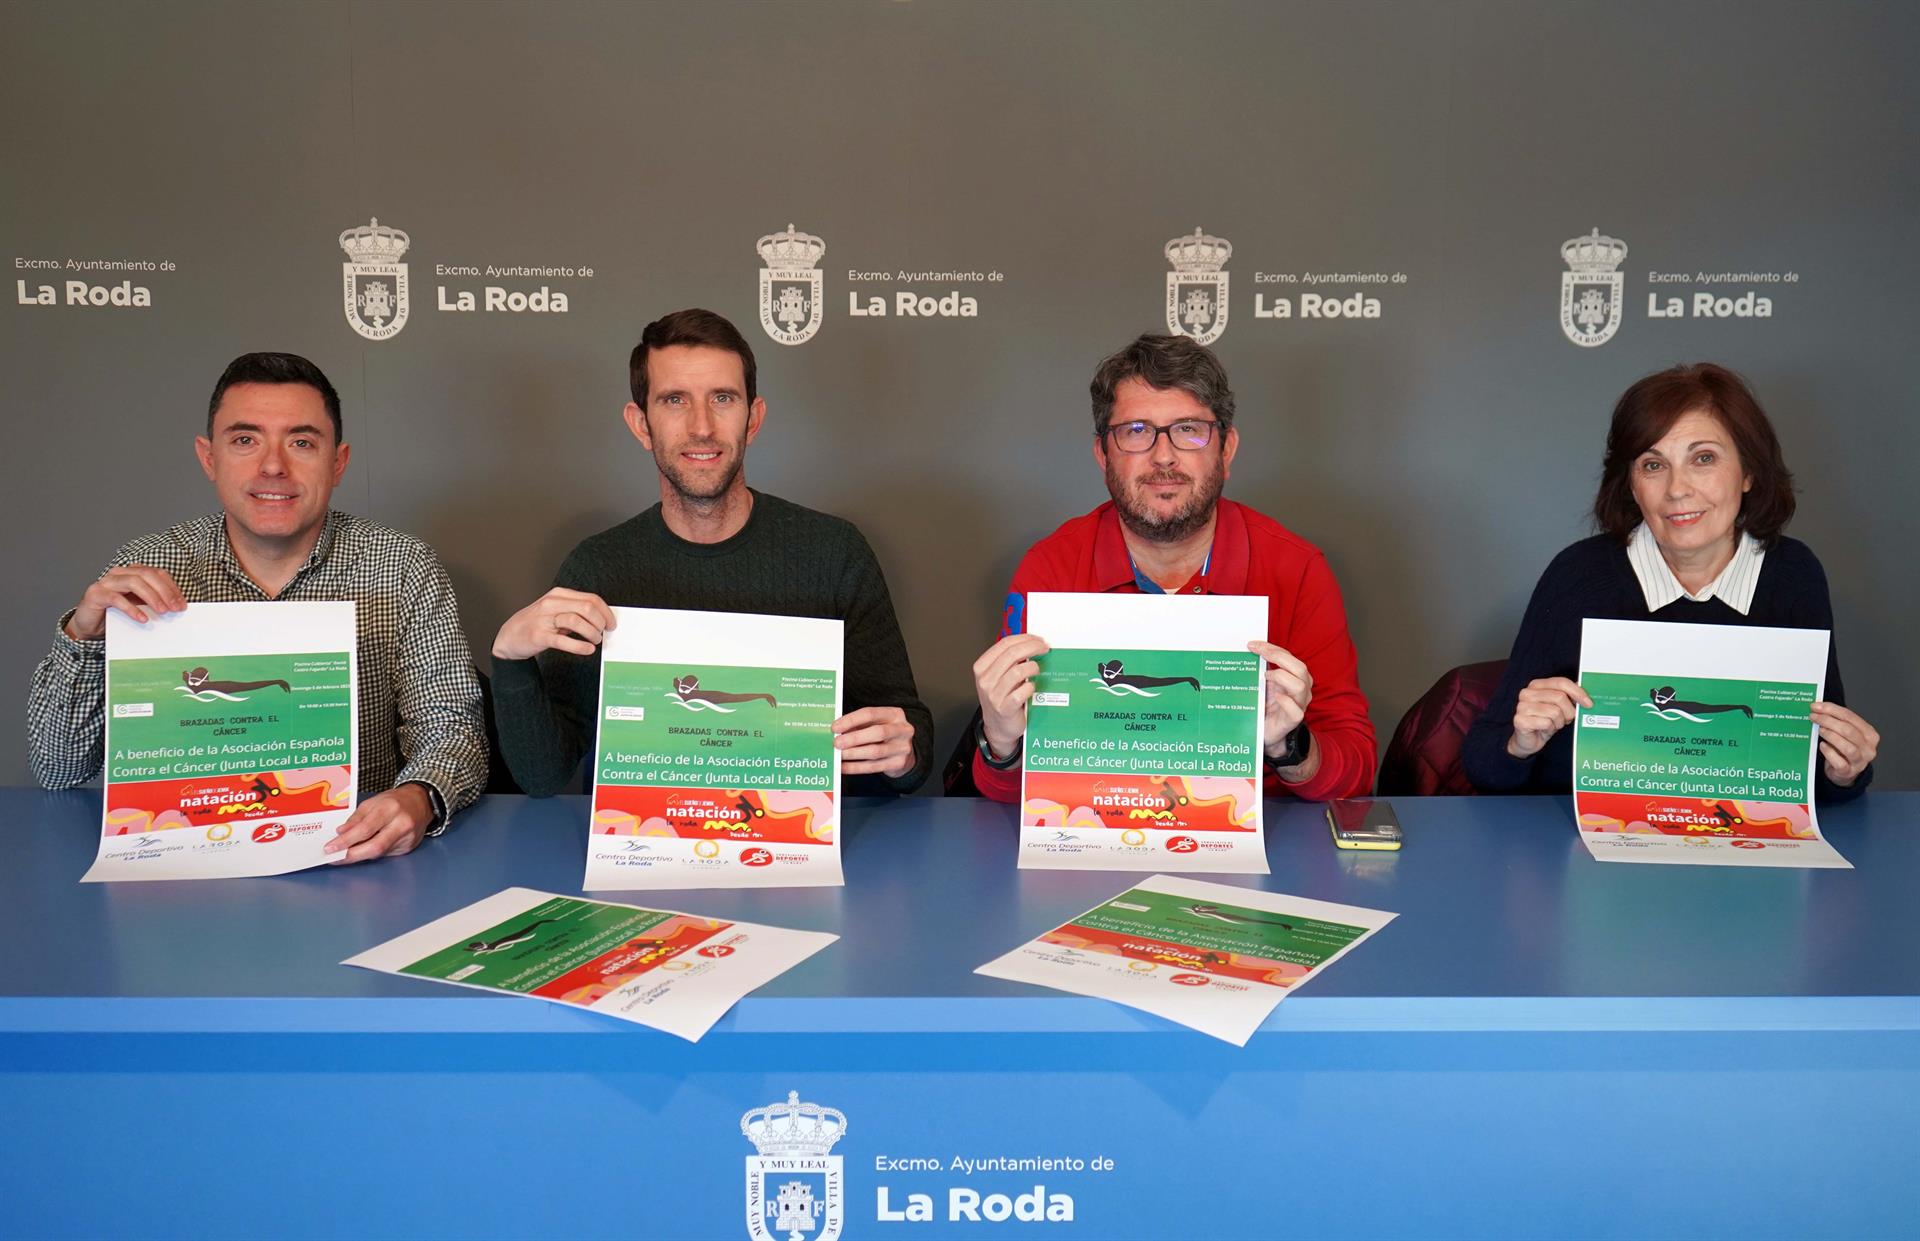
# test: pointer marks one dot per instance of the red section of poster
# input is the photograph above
(700, 814)
(1204, 960)
(1174, 802)
(611, 969)
(1726, 818)
(239, 798)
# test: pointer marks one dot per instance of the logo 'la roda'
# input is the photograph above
(795, 1189)
(375, 279)
(1197, 286)
(790, 307)
(1592, 289)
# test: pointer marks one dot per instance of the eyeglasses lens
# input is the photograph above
(1140, 436)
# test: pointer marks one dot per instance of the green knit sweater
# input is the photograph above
(786, 561)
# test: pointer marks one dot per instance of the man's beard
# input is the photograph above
(1183, 521)
(706, 492)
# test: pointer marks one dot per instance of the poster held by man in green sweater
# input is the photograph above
(716, 766)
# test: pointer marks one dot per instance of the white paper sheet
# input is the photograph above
(231, 740)
(715, 765)
(1699, 749)
(1143, 741)
(1211, 956)
(672, 971)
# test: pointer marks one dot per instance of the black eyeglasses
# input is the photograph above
(1188, 433)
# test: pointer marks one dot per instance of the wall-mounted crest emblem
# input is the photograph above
(1197, 286)
(1592, 290)
(790, 307)
(375, 279)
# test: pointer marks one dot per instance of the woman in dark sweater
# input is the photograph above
(1693, 497)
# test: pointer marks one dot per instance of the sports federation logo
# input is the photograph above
(795, 1189)
(790, 308)
(375, 280)
(1592, 291)
(1197, 286)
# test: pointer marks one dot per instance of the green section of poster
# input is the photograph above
(1216, 927)
(187, 716)
(1179, 712)
(539, 945)
(694, 726)
(1695, 737)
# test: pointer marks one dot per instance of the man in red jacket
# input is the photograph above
(1165, 439)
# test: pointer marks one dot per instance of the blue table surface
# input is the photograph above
(1544, 1044)
(1500, 907)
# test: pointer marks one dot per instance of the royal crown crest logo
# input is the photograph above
(1197, 286)
(795, 1189)
(375, 280)
(790, 306)
(1592, 290)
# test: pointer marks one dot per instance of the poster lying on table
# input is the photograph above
(1143, 734)
(715, 766)
(1699, 748)
(672, 971)
(230, 740)
(1207, 955)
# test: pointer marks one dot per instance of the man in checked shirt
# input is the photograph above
(274, 453)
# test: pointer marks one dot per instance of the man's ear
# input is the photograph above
(637, 423)
(203, 449)
(340, 457)
(1229, 445)
(756, 414)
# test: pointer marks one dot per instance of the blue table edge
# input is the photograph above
(40, 1015)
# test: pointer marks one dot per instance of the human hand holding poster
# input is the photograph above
(673, 971)
(715, 766)
(1207, 955)
(230, 740)
(1142, 749)
(1699, 747)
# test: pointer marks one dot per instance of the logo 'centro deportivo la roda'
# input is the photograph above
(1592, 290)
(1197, 287)
(375, 279)
(790, 308)
(794, 1187)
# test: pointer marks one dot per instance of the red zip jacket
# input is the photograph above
(1252, 555)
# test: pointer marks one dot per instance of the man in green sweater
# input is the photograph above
(712, 544)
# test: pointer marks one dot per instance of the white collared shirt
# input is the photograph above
(1734, 587)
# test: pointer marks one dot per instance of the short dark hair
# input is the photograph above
(1163, 362)
(276, 368)
(688, 327)
(1648, 410)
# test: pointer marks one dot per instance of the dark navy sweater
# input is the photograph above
(1594, 578)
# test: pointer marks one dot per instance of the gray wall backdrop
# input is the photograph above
(1440, 454)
